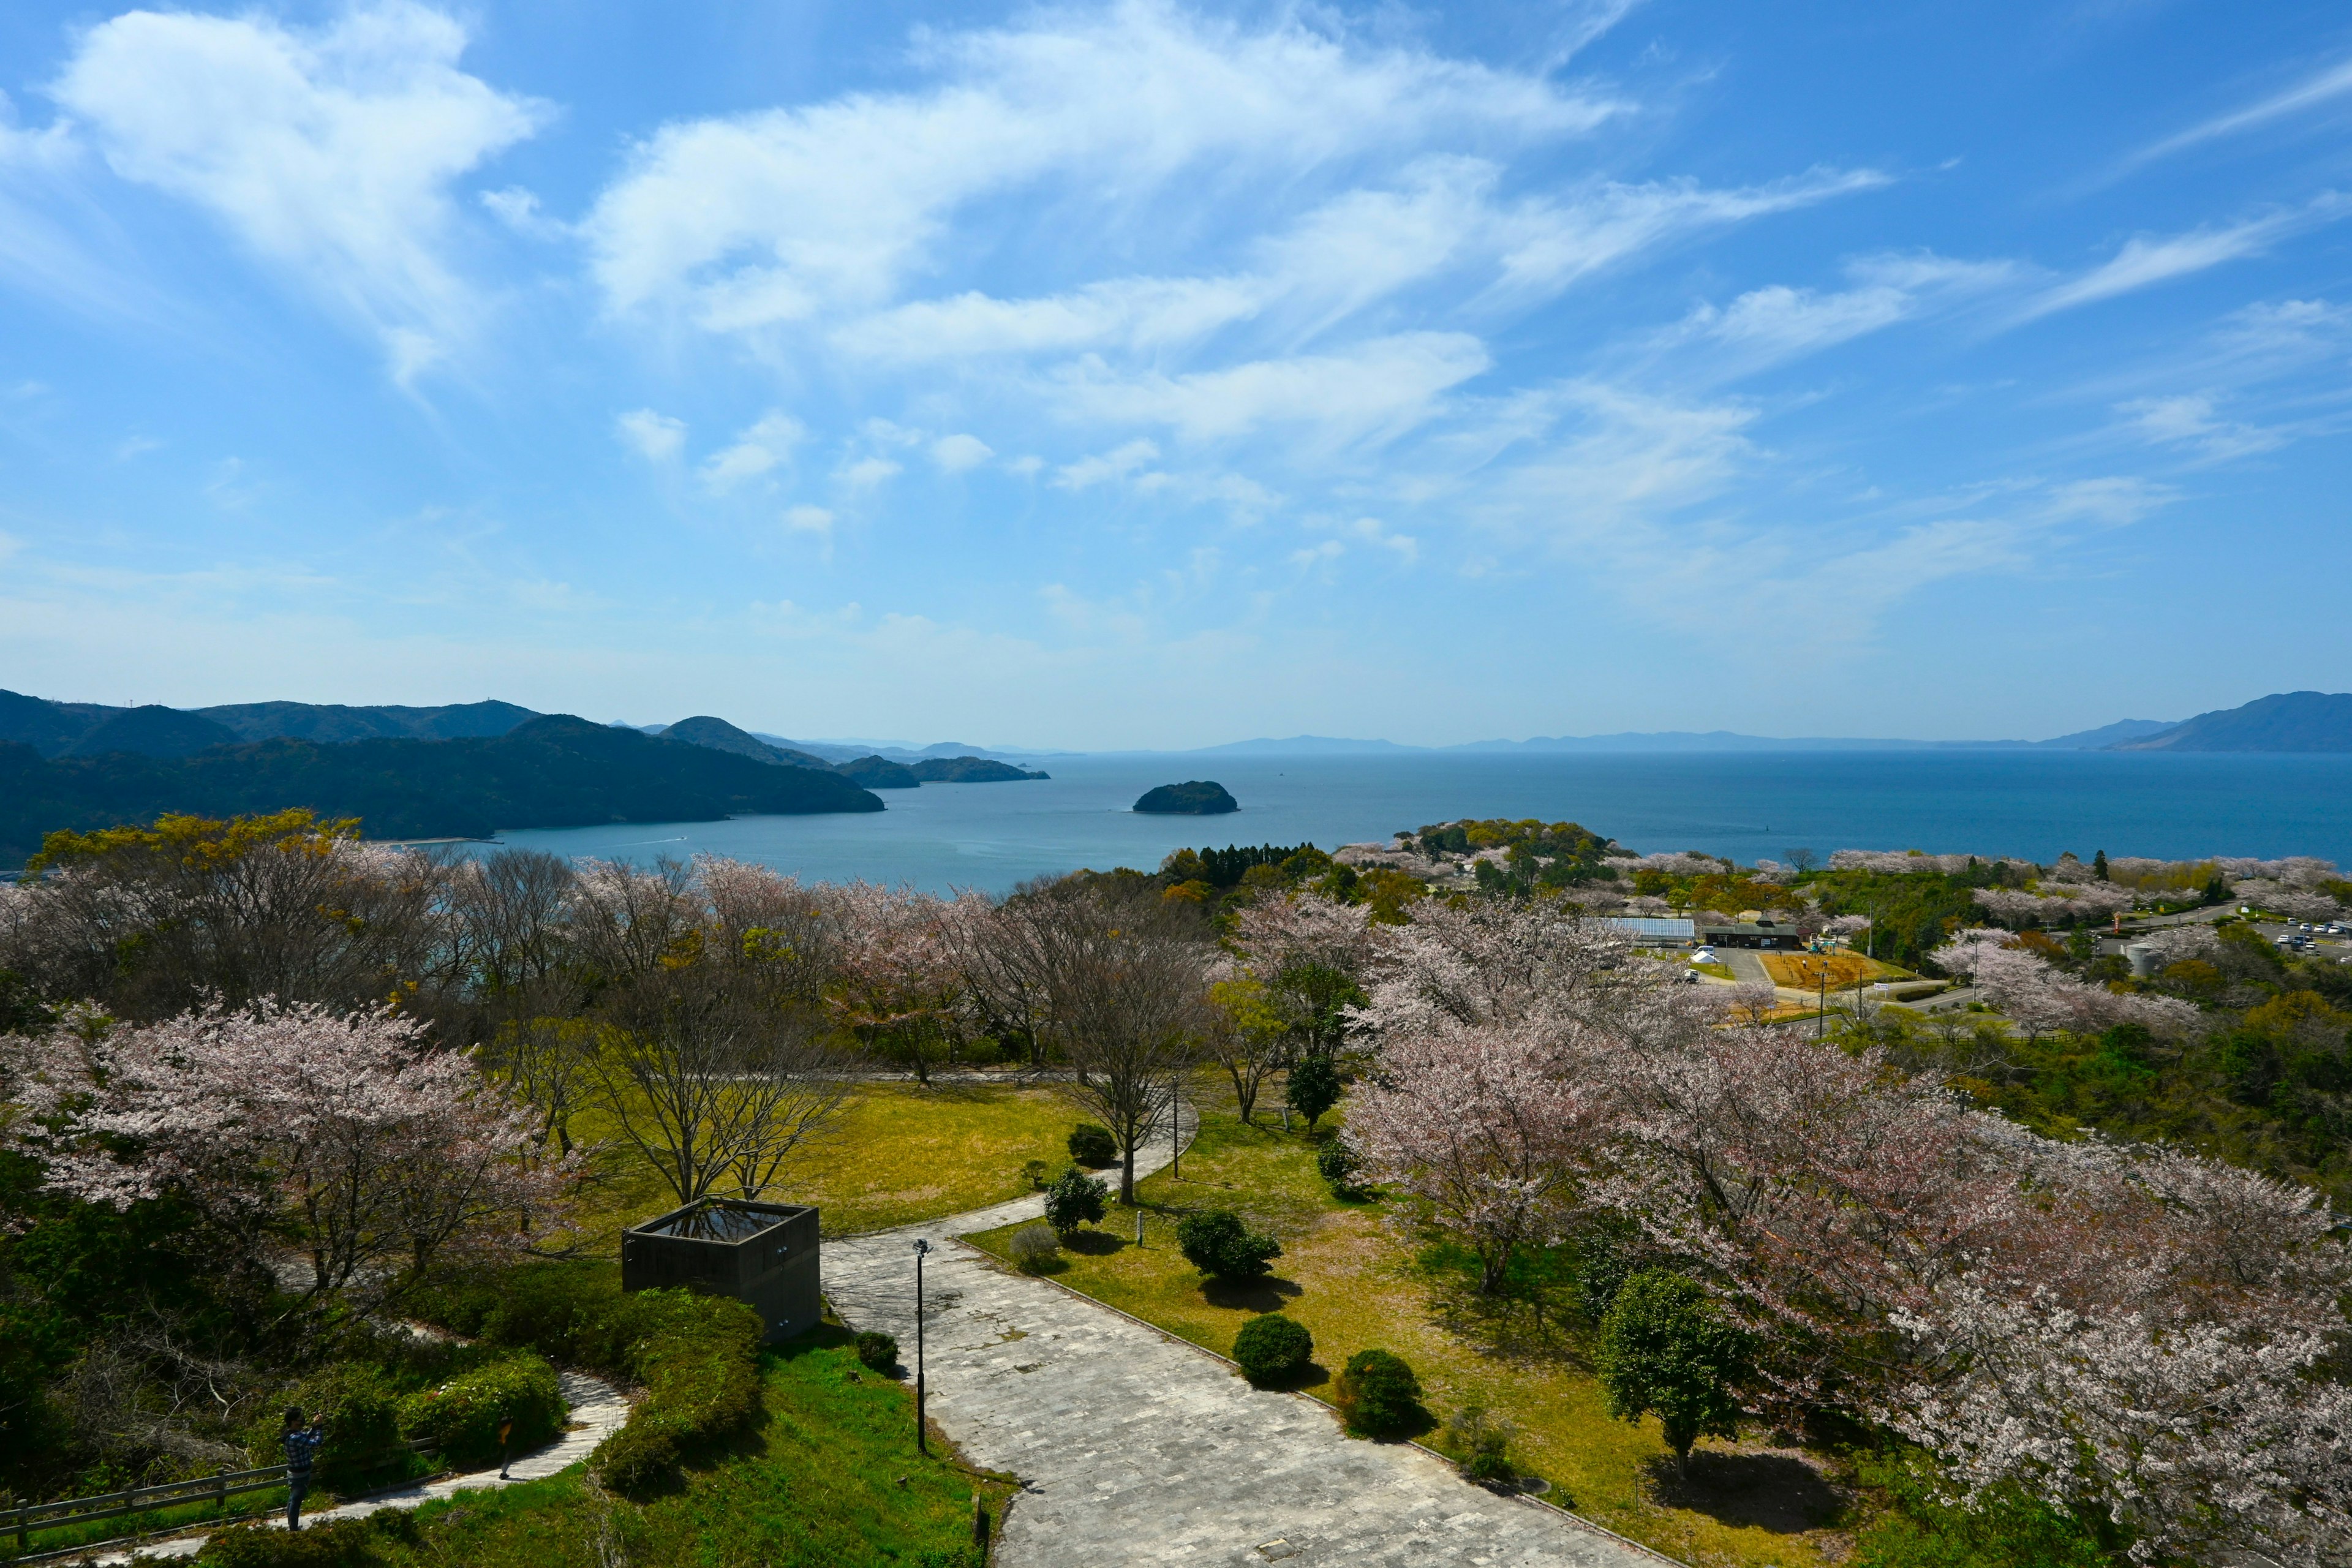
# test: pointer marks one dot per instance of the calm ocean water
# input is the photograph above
(1746, 806)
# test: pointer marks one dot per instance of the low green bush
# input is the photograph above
(462, 1417)
(878, 1351)
(697, 1356)
(361, 1409)
(339, 1543)
(1075, 1199)
(1377, 1393)
(1034, 1248)
(1485, 1440)
(1092, 1144)
(1272, 1347)
(700, 1369)
(1217, 1243)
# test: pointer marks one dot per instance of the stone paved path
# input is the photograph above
(597, 1410)
(1140, 1450)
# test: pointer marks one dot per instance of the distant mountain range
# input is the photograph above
(1686, 741)
(440, 771)
(2289, 721)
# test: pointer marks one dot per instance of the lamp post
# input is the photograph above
(922, 1440)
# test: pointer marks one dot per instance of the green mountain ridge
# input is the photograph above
(556, 771)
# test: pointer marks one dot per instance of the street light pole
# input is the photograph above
(922, 1440)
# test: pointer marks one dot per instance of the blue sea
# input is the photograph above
(1748, 805)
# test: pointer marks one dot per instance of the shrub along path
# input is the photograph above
(598, 1409)
(1137, 1449)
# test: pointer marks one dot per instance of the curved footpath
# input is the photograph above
(598, 1410)
(1137, 1448)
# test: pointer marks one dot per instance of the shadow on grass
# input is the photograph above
(1420, 1423)
(1777, 1492)
(1096, 1243)
(1266, 1295)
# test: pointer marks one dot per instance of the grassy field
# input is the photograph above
(896, 1153)
(1846, 970)
(1352, 1278)
(831, 1480)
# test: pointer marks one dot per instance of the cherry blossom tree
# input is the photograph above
(1305, 953)
(2039, 998)
(344, 1142)
(899, 982)
(1487, 1124)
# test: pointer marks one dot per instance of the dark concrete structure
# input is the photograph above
(1762, 934)
(764, 1255)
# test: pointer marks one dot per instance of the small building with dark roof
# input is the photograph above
(1757, 933)
(763, 1254)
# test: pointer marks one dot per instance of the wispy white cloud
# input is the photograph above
(808, 520)
(960, 453)
(766, 446)
(1552, 241)
(656, 437)
(1125, 463)
(2144, 261)
(329, 153)
(2188, 421)
(1372, 391)
(776, 217)
(2323, 87)
(867, 473)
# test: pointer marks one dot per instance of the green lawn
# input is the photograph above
(1349, 1273)
(896, 1153)
(831, 1480)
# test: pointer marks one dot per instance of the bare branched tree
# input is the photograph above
(709, 1048)
(1127, 999)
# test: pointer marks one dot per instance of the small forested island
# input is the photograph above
(1195, 797)
(971, 769)
(878, 772)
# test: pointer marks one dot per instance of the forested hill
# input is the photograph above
(2285, 721)
(551, 772)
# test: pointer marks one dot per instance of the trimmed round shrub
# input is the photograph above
(1272, 1347)
(462, 1417)
(878, 1350)
(1033, 1246)
(1092, 1146)
(1379, 1394)
(1075, 1199)
(1217, 1243)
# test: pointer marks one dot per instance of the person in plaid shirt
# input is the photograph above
(302, 1439)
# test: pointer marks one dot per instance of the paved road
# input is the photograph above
(1139, 1449)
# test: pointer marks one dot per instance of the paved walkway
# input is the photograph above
(1138, 1449)
(597, 1410)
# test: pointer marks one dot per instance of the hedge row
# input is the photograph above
(462, 1417)
(696, 1356)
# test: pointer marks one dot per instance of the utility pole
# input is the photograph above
(922, 1439)
(1176, 1127)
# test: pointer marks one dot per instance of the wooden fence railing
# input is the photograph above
(21, 1520)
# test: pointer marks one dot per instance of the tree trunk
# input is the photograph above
(1127, 1175)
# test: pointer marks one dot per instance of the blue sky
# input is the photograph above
(1149, 375)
